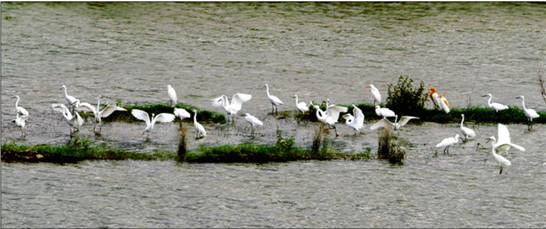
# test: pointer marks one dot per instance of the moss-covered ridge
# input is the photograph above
(474, 114)
(156, 108)
(243, 153)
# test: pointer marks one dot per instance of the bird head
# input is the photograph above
(520, 97)
(462, 115)
(295, 96)
(488, 94)
(266, 85)
(63, 86)
(492, 138)
(194, 111)
(432, 90)
(377, 107)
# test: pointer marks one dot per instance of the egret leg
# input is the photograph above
(335, 130)
(500, 172)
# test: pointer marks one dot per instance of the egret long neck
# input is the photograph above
(98, 105)
(462, 120)
(267, 90)
(296, 99)
(523, 103)
(194, 117)
(17, 102)
(65, 92)
(489, 100)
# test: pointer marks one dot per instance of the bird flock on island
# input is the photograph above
(330, 116)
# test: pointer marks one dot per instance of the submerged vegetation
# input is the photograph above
(156, 108)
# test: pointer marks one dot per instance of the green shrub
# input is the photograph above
(404, 98)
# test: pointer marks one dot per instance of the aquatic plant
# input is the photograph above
(156, 108)
(405, 98)
(389, 147)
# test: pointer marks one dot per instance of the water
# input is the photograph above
(131, 51)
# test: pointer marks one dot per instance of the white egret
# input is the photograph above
(497, 106)
(254, 122)
(467, 132)
(275, 101)
(447, 142)
(74, 119)
(233, 106)
(71, 100)
(200, 131)
(172, 95)
(530, 113)
(301, 105)
(384, 112)
(20, 122)
(330, 116)
(375, 93)
(434, 97)
(504, 143)
(98, 113)
(150, 122)
(385, 123)
(444, 104)
(181, 113)
(20, 110)
(503, 162)
(356, 120)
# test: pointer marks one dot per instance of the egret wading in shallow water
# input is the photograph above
(448, 142)
(172, 95)
(200, 131)
(71, 101)
(330, 116)
(503, 162)
(21, 123)
(301, 105)
(530, 113)
(444, 104)
(21, 111)
(497, 106)
(275, 101)
(384, 112)
(233, 106)
(467, 132)
(375, 93)
(73, 119)
(253, 121)
(504, 143)
(356, 120)
(150, 122)
(385, 123)
(434, 97)
(98, 113)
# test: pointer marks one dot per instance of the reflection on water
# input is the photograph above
(131, 51)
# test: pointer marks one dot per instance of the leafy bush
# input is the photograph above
(406, 99)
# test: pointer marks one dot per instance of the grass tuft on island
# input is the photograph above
(473, 114)
(81, 150)
(156, 108)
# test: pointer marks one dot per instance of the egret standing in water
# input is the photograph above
(356, 120)
(275, 101)
(150, 122)
(233, 106)
(448, 142)
(330, 116)
(98, 113)
(254, 122)
(530, 113)
(172, 95)
(497, 106)
(503, 162)
(73, 119)
(21, 111)
(200, 131)
(301, 105)
(375, 93)
(467, 132)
